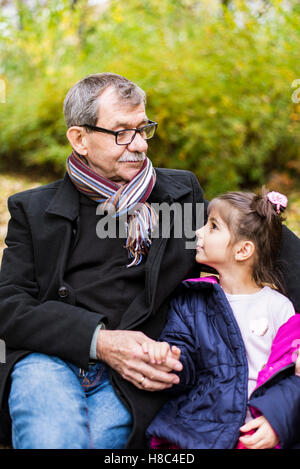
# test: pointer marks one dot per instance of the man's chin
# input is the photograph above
(130, 170)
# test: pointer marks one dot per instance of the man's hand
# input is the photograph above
(263, 438)
(122, 351)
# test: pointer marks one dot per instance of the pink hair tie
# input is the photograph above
(280, 200)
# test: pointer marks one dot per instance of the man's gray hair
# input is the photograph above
(81, 101)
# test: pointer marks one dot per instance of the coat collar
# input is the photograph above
(65, 202)
(167, 187)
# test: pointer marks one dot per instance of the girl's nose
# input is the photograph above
(200, 233)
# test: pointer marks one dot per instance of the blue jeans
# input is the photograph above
(53, 406)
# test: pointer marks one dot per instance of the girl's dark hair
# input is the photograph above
(255, 218)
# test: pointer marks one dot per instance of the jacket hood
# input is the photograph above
(208, 279)
(200, 283)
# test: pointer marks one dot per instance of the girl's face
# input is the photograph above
(213, 242)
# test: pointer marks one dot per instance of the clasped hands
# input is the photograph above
(137, 359)
(150, 365)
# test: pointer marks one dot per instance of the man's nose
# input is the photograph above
(138, 144)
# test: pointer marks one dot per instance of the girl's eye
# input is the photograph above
(213, 226)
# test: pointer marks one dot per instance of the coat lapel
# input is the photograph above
(165, 191)
(168, 191)
(61, 217)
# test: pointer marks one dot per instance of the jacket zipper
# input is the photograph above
(290, 365)
(244, 411)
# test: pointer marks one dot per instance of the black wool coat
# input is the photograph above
(38, 312)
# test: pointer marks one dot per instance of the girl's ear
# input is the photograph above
(244, 250)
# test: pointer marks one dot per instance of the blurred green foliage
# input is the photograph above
(218, 80)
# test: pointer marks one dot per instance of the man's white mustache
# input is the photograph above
(132, 156)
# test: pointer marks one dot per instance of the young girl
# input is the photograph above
(238, 337)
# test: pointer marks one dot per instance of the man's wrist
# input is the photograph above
(102, 344)
(93, 348)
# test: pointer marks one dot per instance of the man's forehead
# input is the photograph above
(109, 97)
(118, 111)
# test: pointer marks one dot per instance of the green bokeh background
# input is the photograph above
(220, 78)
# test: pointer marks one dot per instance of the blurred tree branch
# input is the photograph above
(82, 7)
(73, 4)
(20, 6)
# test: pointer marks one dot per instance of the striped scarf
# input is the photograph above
(119, 200)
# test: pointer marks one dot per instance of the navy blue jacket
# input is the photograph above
(211, 400)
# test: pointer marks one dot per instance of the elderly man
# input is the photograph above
(75, 306)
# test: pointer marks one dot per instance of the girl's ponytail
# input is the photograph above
(269, 205)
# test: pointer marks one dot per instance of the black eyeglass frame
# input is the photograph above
(116, 132)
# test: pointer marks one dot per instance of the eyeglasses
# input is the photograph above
(126, 136)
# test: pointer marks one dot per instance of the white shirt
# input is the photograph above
(259, 316)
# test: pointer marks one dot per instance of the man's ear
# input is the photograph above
(244, 250)
(77, 138)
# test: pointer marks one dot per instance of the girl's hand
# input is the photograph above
(263, 438)
(159, 351)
